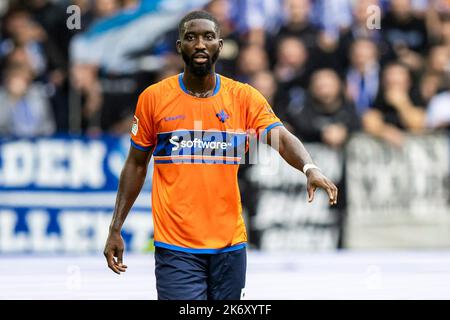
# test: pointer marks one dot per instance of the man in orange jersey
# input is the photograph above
(196, 124)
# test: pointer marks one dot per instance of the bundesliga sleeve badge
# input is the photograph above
(135, 127)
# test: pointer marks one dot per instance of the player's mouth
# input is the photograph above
(200, 58)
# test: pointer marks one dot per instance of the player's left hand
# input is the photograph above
(317, 180)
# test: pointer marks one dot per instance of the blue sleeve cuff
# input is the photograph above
(136, 146)
(270, 127)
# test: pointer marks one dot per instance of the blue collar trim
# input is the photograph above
(183, 87)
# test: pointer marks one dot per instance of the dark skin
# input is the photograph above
(130, 184)
(200, 39)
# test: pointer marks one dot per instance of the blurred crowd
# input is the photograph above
(328, 67)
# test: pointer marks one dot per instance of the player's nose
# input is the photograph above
(199, 44)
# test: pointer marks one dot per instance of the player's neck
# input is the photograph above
(200, 86)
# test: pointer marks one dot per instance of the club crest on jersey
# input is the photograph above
(222, 116)
(135, 126)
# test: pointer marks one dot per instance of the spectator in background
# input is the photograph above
(116, 45)
(29, 42)
(438, 111)
(22, 33)
(86, 83)
(297, 23)
(398, 108)
(360, 29)
(265, 82)
(280, 100)
(326, 116)
(363, 76)
(405, 33)
(292, 38)
(332, 16)
(101, 78)
(52, 16)
(252, 59)
(106, 8)
(24, 110)
(221, 10)
(260, 20)
(292, 74)
(436, 12)
(18, 55)
(89, 13)
(433, 77)
(290, 67)
(438, 114)
(445, 29)
(107, 96)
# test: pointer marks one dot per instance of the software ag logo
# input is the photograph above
(175, 140)
(198, 143)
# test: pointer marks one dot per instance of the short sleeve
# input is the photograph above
(260, 116)
(143, 136)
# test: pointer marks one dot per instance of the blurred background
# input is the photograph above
(364, 84)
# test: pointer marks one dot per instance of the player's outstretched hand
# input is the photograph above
(114, 252)
(317, 180)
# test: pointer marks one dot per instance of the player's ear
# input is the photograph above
(178, 45)
(220, 44)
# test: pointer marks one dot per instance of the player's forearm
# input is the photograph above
(290, 148)
(131, 181)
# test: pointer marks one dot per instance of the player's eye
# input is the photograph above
(189, 37)
(209, 37)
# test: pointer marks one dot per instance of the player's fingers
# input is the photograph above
(119, 255)
(311, 191)
(330, 194)
(119, 265)
(335, 194)
(114, 269)
(121, 268)
(111, 263)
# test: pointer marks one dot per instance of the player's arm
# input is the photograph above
(293, 151)
(130, 184)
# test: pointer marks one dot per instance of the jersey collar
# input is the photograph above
(183, 87)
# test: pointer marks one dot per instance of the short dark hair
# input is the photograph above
(199, 14)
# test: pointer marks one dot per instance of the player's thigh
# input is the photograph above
(227, 275)
(180, 275)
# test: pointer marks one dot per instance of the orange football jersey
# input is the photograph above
(198, 144)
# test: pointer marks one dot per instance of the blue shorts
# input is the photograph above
(189, 276)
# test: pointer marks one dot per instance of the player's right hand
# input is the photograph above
(114, 252)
